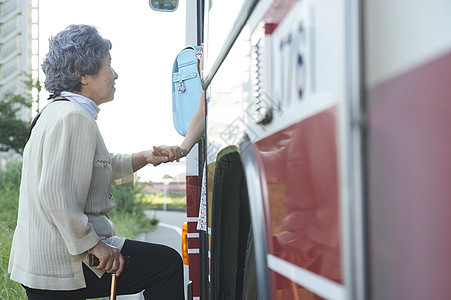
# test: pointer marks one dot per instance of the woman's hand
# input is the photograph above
(110, 258)
(154, 159)
(172, 152)
(140, 159)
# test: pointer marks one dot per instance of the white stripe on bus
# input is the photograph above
(193, 235)
(192, 219)
(192, 168)
(193, 251)
(410, 53)
(319, 285)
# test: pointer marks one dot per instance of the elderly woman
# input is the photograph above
(65, 189)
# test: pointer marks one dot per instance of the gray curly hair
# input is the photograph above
(74, 52)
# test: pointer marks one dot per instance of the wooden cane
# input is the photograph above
(94, 261)
(113, 286)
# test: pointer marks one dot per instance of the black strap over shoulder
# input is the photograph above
(33, 123)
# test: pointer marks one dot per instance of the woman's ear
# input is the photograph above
(84, 79)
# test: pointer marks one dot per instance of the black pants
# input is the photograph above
(156, 269)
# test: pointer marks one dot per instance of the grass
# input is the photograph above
(175, 200)
(128, 216)
(8, 289)
(9, 195)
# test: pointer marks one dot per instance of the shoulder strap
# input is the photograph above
(33, 123)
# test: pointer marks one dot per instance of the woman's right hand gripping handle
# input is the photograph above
(109, 258)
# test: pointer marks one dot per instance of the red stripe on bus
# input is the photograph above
(192, 196)
(193, 243)
(194, 273)
(276, 13)
(409, 183)
(192, 227)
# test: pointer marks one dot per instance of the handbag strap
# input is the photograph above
(175, 66)
(33, 123)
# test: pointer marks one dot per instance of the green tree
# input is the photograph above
(13, 130)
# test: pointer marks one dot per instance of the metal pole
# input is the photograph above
(165, 194)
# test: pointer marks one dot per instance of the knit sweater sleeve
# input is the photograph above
(67, 165)
(122, 169)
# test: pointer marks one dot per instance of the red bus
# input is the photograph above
(327, 150)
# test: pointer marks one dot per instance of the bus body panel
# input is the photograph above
(283, 86)
(408, 92)
(292, 49)
(409, 183)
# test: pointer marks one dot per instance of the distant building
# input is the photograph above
(18, 18)
(19, 33)
(161, 186)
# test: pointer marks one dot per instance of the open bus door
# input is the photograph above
(194, 242)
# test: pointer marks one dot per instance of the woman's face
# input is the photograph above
(100, 87)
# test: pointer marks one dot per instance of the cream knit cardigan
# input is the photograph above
(64, 198)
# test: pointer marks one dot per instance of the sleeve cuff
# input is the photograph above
(84, 244)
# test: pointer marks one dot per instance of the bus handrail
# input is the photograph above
(239, 24)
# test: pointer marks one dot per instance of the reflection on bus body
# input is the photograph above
(300, 165)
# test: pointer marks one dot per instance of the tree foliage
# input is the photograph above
(13, 130)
